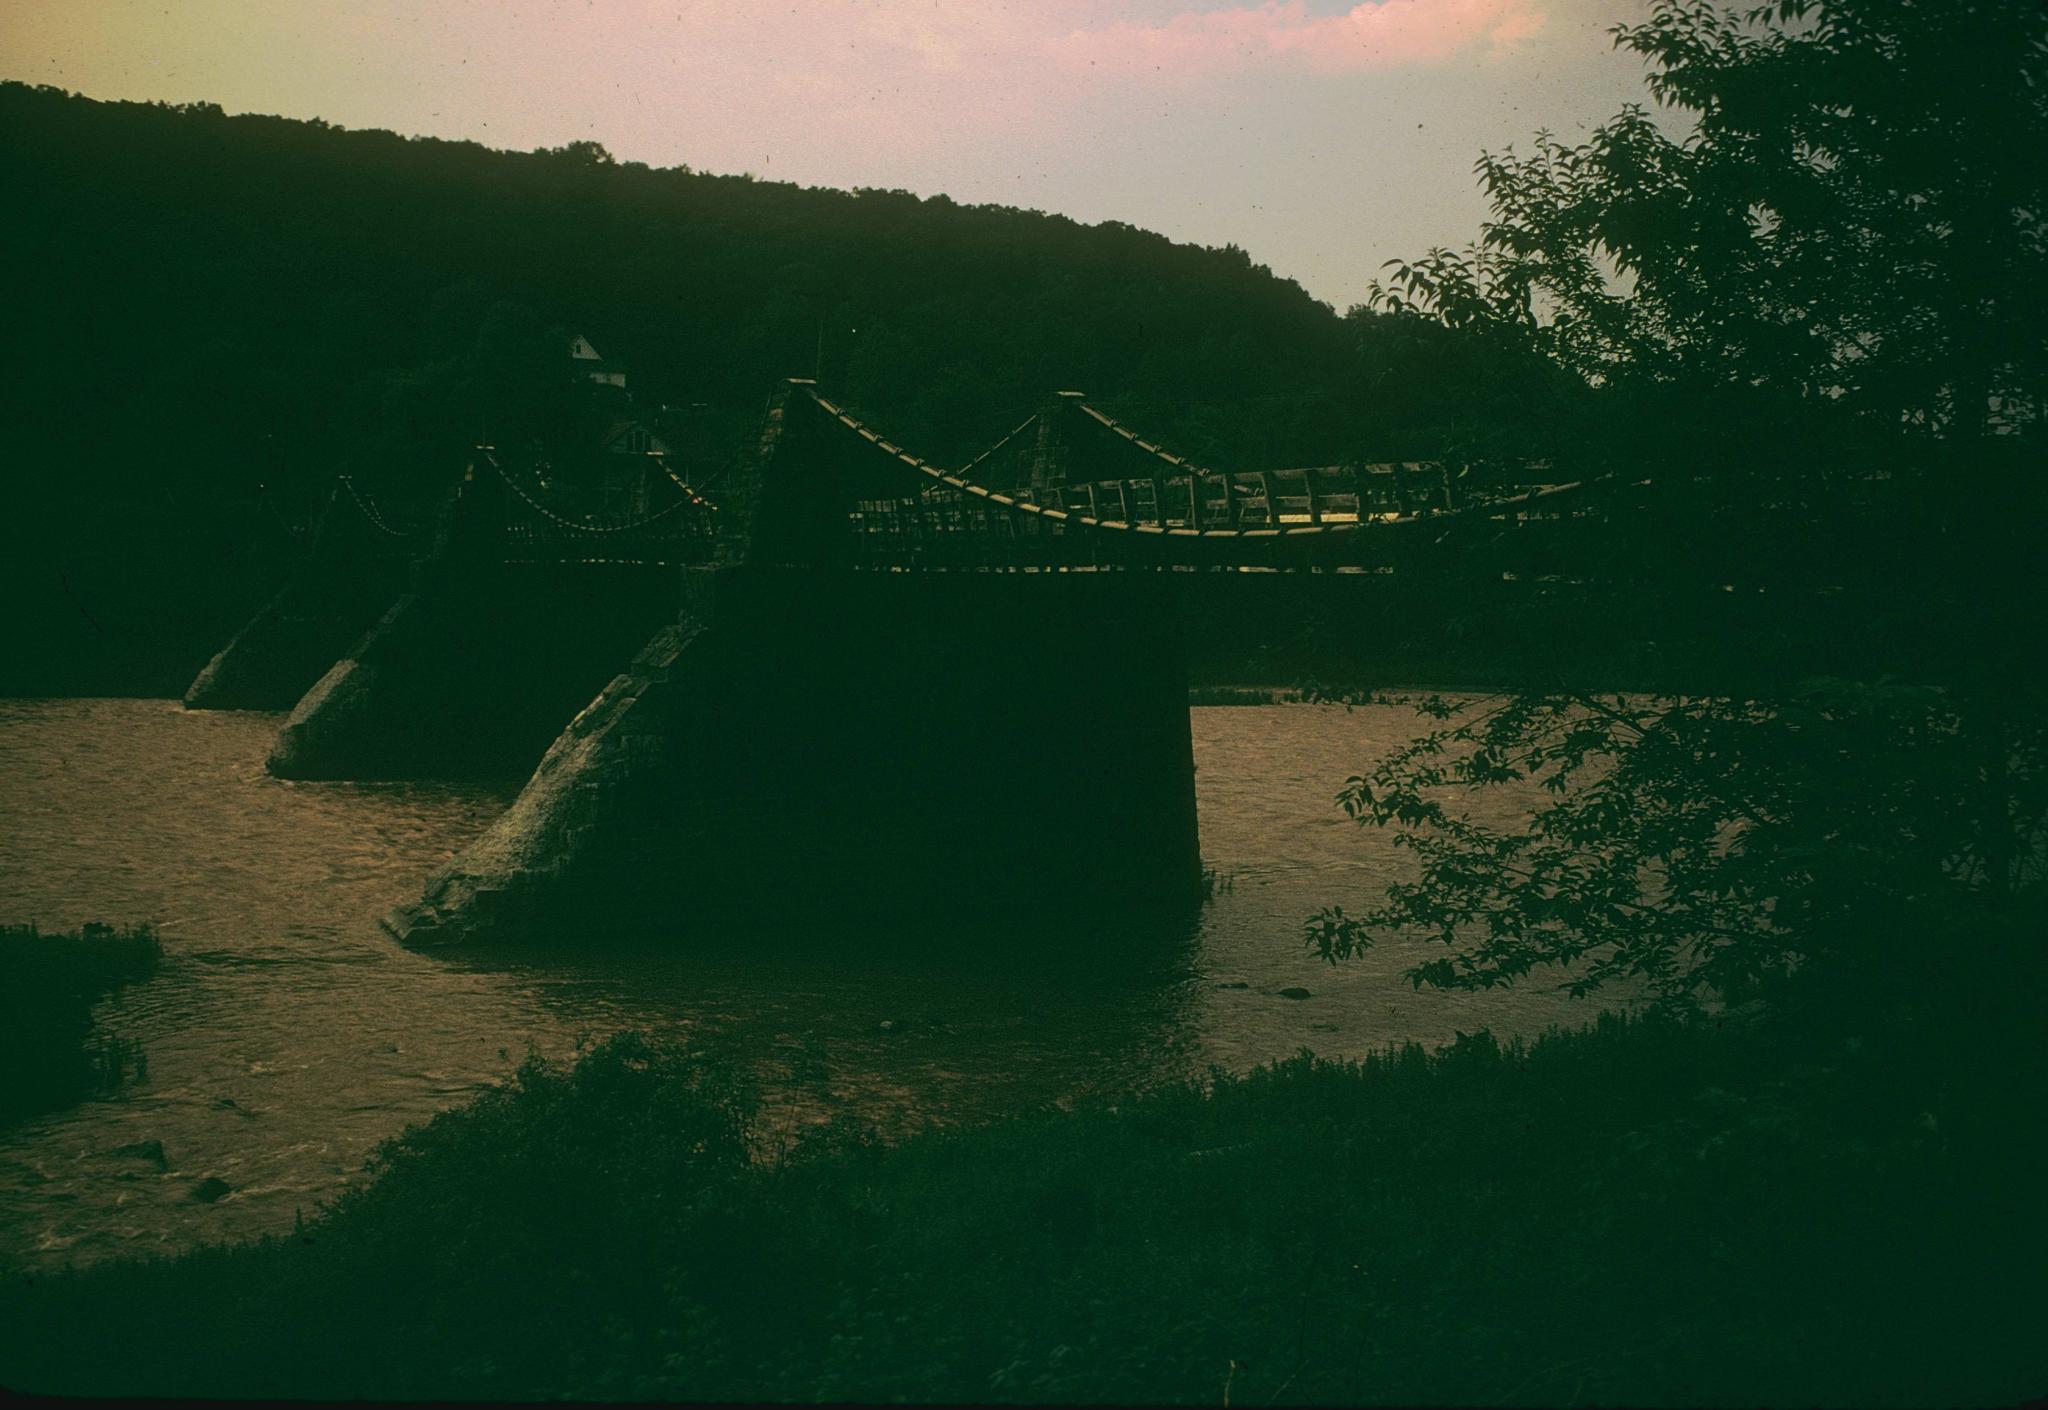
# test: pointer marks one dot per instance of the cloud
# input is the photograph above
(912, 92)
(917, 76)
(1377, 34)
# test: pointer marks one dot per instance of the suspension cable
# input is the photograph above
(575, 527)
(929, 490)
(956, 480)
(696, 495)
(270, 503)
(1141, 443)
(369, 510)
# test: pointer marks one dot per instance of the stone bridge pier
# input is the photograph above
(818, 742)
(800, 735)
(345, 580)
(471, 670)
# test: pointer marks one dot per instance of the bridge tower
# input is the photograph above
(1058, 452)
(811, 738)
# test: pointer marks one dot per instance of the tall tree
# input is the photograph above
(1842, 202)
(1823, 261)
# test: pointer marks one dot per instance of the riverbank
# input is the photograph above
(287, 1035)
(1637, 1213)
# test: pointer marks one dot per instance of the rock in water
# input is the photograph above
(151, 1151)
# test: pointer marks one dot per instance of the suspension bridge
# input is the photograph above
(831, 678)
(1070, 487)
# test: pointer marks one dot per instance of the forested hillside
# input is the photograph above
(201, 304)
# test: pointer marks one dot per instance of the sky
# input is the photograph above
(1324, 137)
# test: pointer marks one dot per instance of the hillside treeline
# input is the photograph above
(225, 279)
(201, 305)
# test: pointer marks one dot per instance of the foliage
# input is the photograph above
(358, 296)
(1852, 210)
(1512, 401)
(1810, 296)
(49, 1054)
(1698, 849)
(1488, 1223)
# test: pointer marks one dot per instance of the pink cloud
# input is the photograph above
(906, 91)
(1284, 34)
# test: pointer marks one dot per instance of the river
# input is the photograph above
(287, 1035)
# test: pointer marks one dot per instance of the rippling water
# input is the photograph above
(287, 1035)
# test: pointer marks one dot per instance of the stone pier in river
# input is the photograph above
(811, 742)
(472, 669)
(799, 733)
(348, 576)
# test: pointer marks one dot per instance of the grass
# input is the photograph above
(50, 1055)
(1639, 1212)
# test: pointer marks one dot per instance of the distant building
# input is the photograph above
(631, 437)
(615, 426)
(590, 365)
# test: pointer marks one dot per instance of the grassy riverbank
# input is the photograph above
(49, 1054)
(1637, 1213)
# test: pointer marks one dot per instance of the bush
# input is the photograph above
(49, 1054)
(1646, 1212)
(1706, 849)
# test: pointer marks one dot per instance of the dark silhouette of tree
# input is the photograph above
(583, 153)
(1820, 302)
(1855, 211)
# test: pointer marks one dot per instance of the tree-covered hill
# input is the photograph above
(200, 304)
(203, 280)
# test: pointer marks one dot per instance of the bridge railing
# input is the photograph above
(1336, 494)
(911, 515)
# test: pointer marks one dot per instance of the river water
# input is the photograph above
(287, 1035)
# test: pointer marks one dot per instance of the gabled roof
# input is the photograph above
(624, 425)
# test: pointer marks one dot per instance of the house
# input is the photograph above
(629, 436)
(587, 364)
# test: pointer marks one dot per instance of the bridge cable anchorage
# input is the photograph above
(571, 524)
(369, 510)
